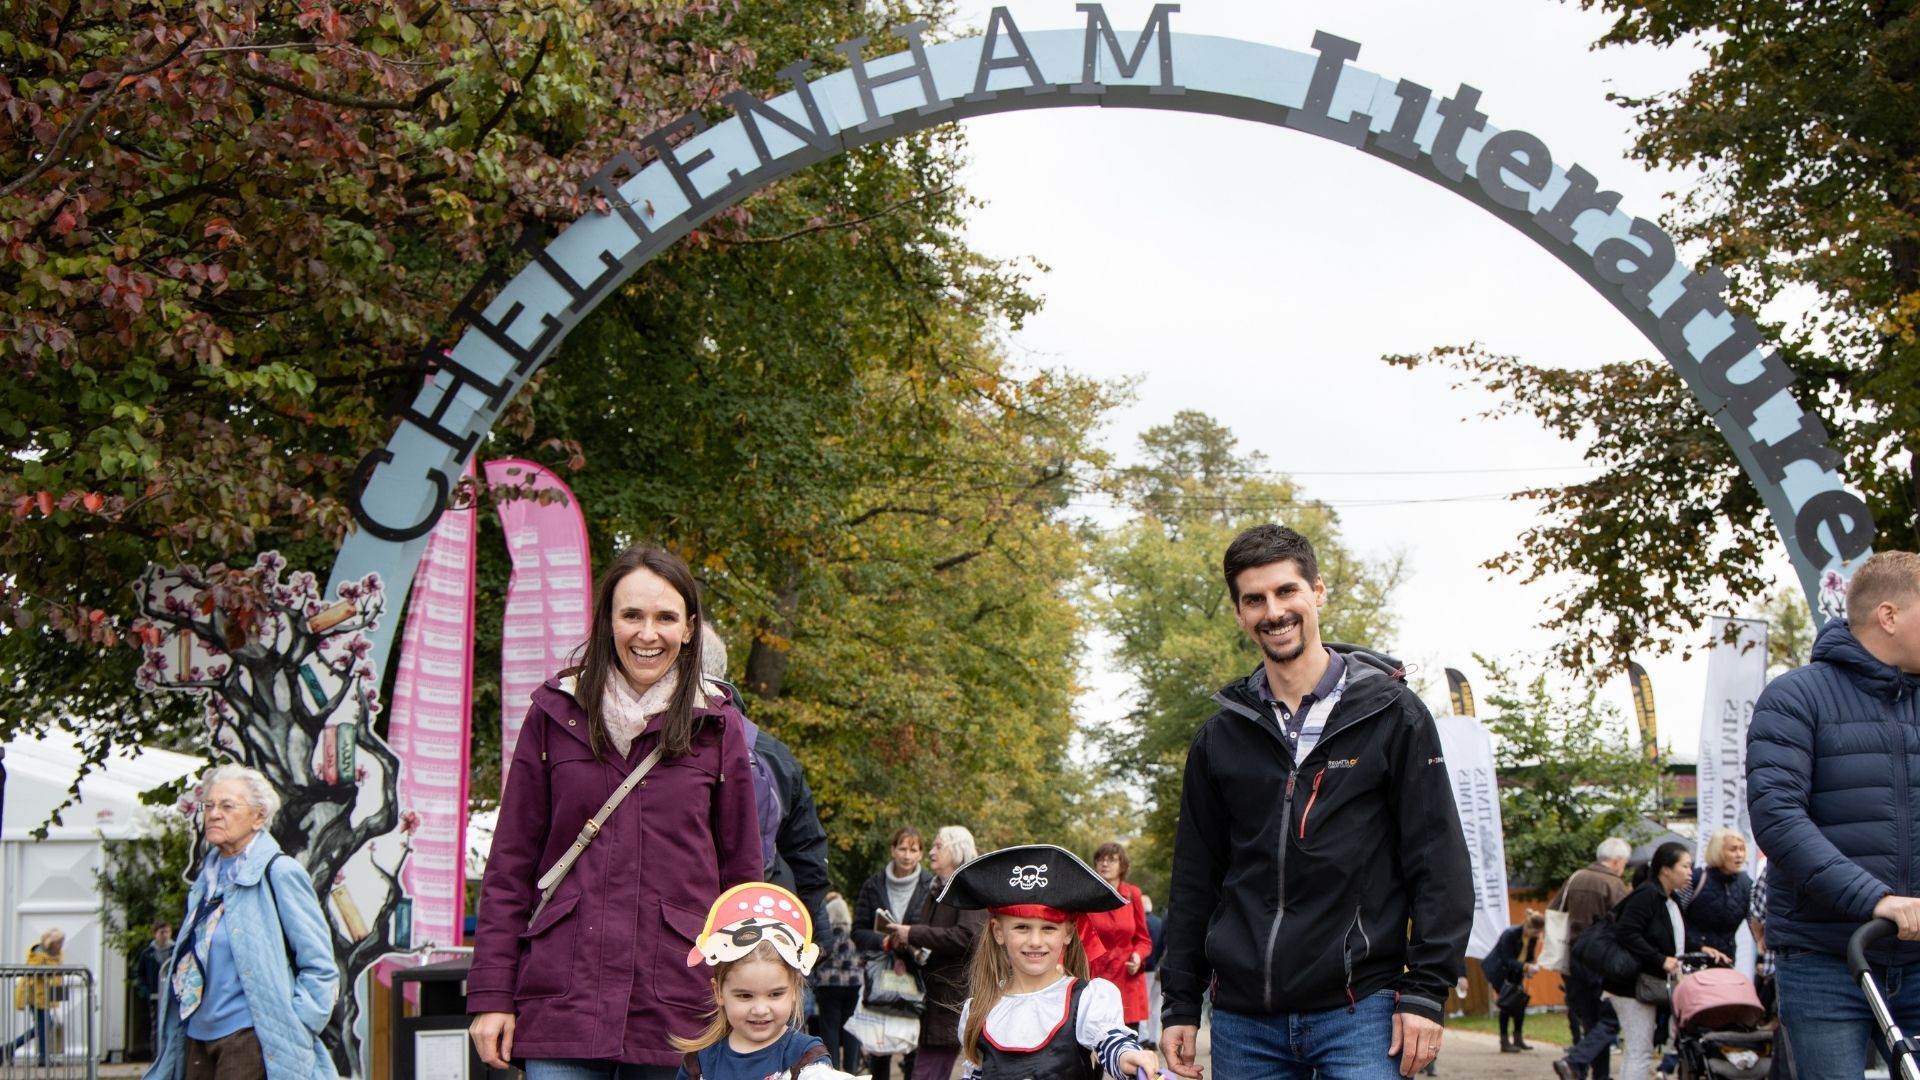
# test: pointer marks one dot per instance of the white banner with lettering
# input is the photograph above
(1736, 673)
(1476, 792)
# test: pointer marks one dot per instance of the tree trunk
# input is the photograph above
(773, 643)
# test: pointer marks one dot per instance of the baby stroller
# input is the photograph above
(1718, 1026)
(1906, 1048)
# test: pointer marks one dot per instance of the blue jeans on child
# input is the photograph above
(1828, 1024)
(1330, 1044)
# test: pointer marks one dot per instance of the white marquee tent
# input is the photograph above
(50, 882)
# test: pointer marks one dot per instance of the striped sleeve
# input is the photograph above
(1102, 1027)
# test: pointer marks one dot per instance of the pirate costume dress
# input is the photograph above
(1073, 1028)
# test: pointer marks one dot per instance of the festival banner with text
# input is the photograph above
(1736, 673)
(1476, 792)
(430, 725)
(550, 593)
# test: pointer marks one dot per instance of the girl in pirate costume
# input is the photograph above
(1034, 1013)
(757, 938)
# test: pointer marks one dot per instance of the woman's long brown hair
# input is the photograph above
(595, 661)
(990, 972)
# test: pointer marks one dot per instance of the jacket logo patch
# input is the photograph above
(1437, 760)
(1343, 763)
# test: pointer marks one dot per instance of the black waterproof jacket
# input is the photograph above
(1644, 928)
(1309, 886)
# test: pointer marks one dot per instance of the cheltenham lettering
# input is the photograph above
(1723, 356)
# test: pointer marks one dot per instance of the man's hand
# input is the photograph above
(1416, 1042)
(492, 1034)
(1905, 913)
(1181, 1042)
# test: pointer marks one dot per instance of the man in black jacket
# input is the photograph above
(1321, 884)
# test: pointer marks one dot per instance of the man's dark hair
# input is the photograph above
(1264, 544)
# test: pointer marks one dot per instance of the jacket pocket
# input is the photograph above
(1357, 947)
(674, 980)
(548, 948)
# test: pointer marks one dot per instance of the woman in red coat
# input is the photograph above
(1117, 941)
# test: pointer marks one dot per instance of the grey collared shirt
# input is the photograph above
(1291, 720)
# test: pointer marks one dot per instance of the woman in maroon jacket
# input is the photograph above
(597, 982)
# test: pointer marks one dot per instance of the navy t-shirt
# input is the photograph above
(771, 1062)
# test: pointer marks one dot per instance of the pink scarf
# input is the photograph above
(626, 712)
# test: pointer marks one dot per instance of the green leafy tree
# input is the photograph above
(1790, 629)
(1571, 774)
(1801, 128)
(1158, 592)
(144, 880)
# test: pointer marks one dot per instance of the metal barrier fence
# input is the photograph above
(47, 1017)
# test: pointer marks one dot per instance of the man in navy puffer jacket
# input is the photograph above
(1833, 785)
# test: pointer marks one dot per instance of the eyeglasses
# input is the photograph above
(227, 806)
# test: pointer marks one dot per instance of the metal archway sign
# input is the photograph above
(678, 176)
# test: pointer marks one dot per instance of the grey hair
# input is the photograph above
(959, 843)
(1612, 848)
(259, 792)
(713, 652)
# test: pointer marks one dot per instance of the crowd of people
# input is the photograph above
(656, 903)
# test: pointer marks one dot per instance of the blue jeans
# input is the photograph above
(1826, 1016)
(1331, 1044)
(586, 1069)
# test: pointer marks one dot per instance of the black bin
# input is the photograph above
(426, 1041)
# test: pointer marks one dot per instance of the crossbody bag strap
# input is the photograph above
(549, 882)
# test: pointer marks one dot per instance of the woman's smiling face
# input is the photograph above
(650, 627)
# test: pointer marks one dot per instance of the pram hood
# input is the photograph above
(1716, 998)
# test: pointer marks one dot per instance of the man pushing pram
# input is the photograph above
(1833, 789)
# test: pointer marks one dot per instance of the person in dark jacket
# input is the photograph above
(1833, 765)
(1320, 877)
(899, 888)
(1508, 966)
(149, 969)
(1721, 898)
(1648, 925)
(798, 861)
(942, 936)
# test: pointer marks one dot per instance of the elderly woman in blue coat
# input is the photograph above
(252, 978)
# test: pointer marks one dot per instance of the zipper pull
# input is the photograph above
(1291, 777)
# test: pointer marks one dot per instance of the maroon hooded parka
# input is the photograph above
(603, 974)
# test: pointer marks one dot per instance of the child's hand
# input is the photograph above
(1134, 1062)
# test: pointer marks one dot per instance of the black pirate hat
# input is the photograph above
(1033, 881)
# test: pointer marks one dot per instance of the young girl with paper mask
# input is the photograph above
(1034, 1012)
(758, 940)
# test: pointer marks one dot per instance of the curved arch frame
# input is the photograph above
(696, 170)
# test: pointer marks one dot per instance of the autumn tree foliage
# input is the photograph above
(1803, 127)
(227, 231)
(233, 231)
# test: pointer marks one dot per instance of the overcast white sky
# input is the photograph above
(1259, 274)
